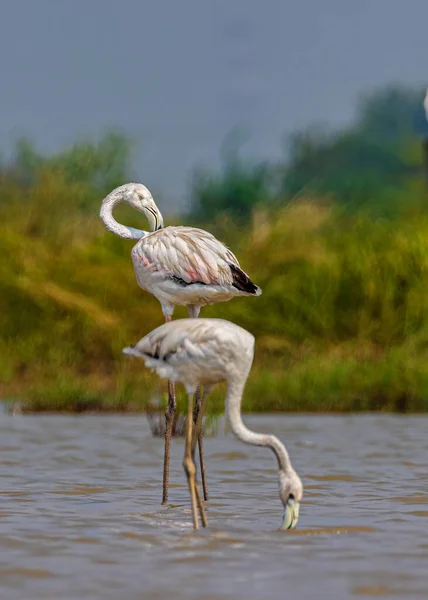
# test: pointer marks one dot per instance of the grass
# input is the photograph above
(341, 325)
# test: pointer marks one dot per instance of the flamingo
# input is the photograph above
(182, 266)
(206, 352)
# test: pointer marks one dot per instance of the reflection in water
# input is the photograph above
(80, 513)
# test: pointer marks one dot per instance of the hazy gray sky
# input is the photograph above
(179, 74)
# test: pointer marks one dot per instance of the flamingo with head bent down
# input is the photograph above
(205, 352)
(180, 266)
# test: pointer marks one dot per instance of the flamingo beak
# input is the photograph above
(291, 514)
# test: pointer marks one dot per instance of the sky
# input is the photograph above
(178, 76)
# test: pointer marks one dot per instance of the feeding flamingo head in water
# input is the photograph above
(290, 491)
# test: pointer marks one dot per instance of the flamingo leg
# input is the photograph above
(169, 421)
(189, 465)
(193, 314)
(195, 438)
(196, 412)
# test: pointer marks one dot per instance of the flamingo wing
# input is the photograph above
(190, 341)
(189, 255)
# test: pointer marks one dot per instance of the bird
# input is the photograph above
(206, 352)
(179, 265)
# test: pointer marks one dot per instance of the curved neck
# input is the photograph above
(235, 389)
(106, 214)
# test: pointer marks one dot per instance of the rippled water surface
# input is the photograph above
(80, 513)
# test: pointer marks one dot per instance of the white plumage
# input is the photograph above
(196, 352)
(205, 352)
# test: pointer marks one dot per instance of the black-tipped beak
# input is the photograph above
(291, 514)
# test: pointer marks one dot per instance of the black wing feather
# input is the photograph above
(241, 281)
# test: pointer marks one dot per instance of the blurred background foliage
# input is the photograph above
(336, 234)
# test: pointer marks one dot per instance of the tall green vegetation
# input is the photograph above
(341, 325)
(372, 164)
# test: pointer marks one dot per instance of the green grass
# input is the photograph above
(393, 382)
(341, 326)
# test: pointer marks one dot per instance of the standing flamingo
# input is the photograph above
(205, 352)
(181, 266)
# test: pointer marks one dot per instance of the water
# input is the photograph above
(80, 516)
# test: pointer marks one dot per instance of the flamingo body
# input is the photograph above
(187, 266)
(196, 351)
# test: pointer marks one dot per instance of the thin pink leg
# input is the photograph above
(169, 421)
(200, 443)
